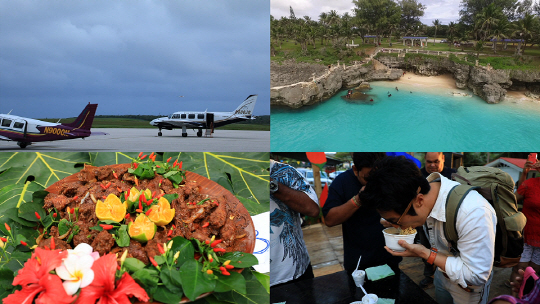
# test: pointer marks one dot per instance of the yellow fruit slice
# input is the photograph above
(161, 214)
(142, 229)
(111, 209)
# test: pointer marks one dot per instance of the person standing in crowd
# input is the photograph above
(361, 227)
(291, 196)
(403, 197)
(434, 162)
(529, 192)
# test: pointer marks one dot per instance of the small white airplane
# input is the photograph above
(205, 120)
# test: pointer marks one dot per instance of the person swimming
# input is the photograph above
(389, 95)
(371, 99)
(397, 89)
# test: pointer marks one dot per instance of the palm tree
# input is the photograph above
(451, 32)
(525, 29)
(436, 23)
(500, 32)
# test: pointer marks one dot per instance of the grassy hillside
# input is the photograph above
(260, 123)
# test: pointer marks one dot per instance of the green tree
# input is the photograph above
(436, 24)
(411, 11)
(525, 29)
(471, 8)
(378, 13)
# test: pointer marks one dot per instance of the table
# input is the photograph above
(339, 288)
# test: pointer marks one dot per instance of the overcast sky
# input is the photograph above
(133, 57)
(444, 10)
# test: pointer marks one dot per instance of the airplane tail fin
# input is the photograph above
(246, 108)
(85, 119)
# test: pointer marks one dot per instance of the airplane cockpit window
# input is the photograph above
(183, 116)
(191, 116)
(6, 123)
(18, 125)
(200, 116)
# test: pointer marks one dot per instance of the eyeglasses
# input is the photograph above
(406, 210)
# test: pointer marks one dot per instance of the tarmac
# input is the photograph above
(325, 248)
(132, 140)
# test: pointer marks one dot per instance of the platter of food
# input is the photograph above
(174, 235)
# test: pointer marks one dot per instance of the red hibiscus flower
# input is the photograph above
(35, 279)
(103, 287)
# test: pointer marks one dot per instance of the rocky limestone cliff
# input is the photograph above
(333, 80)
(488, 83)
(322, 83)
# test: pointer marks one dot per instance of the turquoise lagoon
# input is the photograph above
(424, 120)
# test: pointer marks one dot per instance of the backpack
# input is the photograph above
(497, 187)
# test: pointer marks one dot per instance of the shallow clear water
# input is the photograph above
(418, 121)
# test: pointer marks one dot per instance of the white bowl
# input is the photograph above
(370, 298)
(391, 237)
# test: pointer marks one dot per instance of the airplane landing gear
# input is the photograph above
(184, 131)
(22, 144)
(159, 133)
(199, 133)
(184, 134)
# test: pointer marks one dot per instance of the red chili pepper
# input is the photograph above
(180, 165)
(106, 227)
(229, 266)
(127, 216)
(47, 247)
(104, 197)
(222, 268)
(160, 248)
(7, 227)
(157, 166)
(103, 186)
(118, 267)
(118, 188)
(175, 162)
(225, 273)
(135, 165)
(151, 155)
(127, 193)
(139, 210)
(169, 233)
(214, 243)
(108, 185)
(115, 175)
(148, 212)
(173, 226)
(144, 156)
(53, 245)
(54, 214)
(140, 204)
(205, 224)
(24, 243)
(154, 194)
(148, 203)
(3, 239)
(217, 204)
(140, 155)
(76, 197)
(37, 216)
(219, 249)
(207, 242)
(143, 197)
(153, 262)
(72, 210)
(169, 159)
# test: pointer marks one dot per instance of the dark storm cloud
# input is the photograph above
(132, 57)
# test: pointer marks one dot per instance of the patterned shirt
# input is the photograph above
(288, 253)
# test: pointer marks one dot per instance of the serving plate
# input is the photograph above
(207, 186)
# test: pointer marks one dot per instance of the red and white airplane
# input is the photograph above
(25, 131)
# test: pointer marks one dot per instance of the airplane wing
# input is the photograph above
(5, 138)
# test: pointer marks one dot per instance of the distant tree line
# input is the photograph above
(480, 20)
(259, 120)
